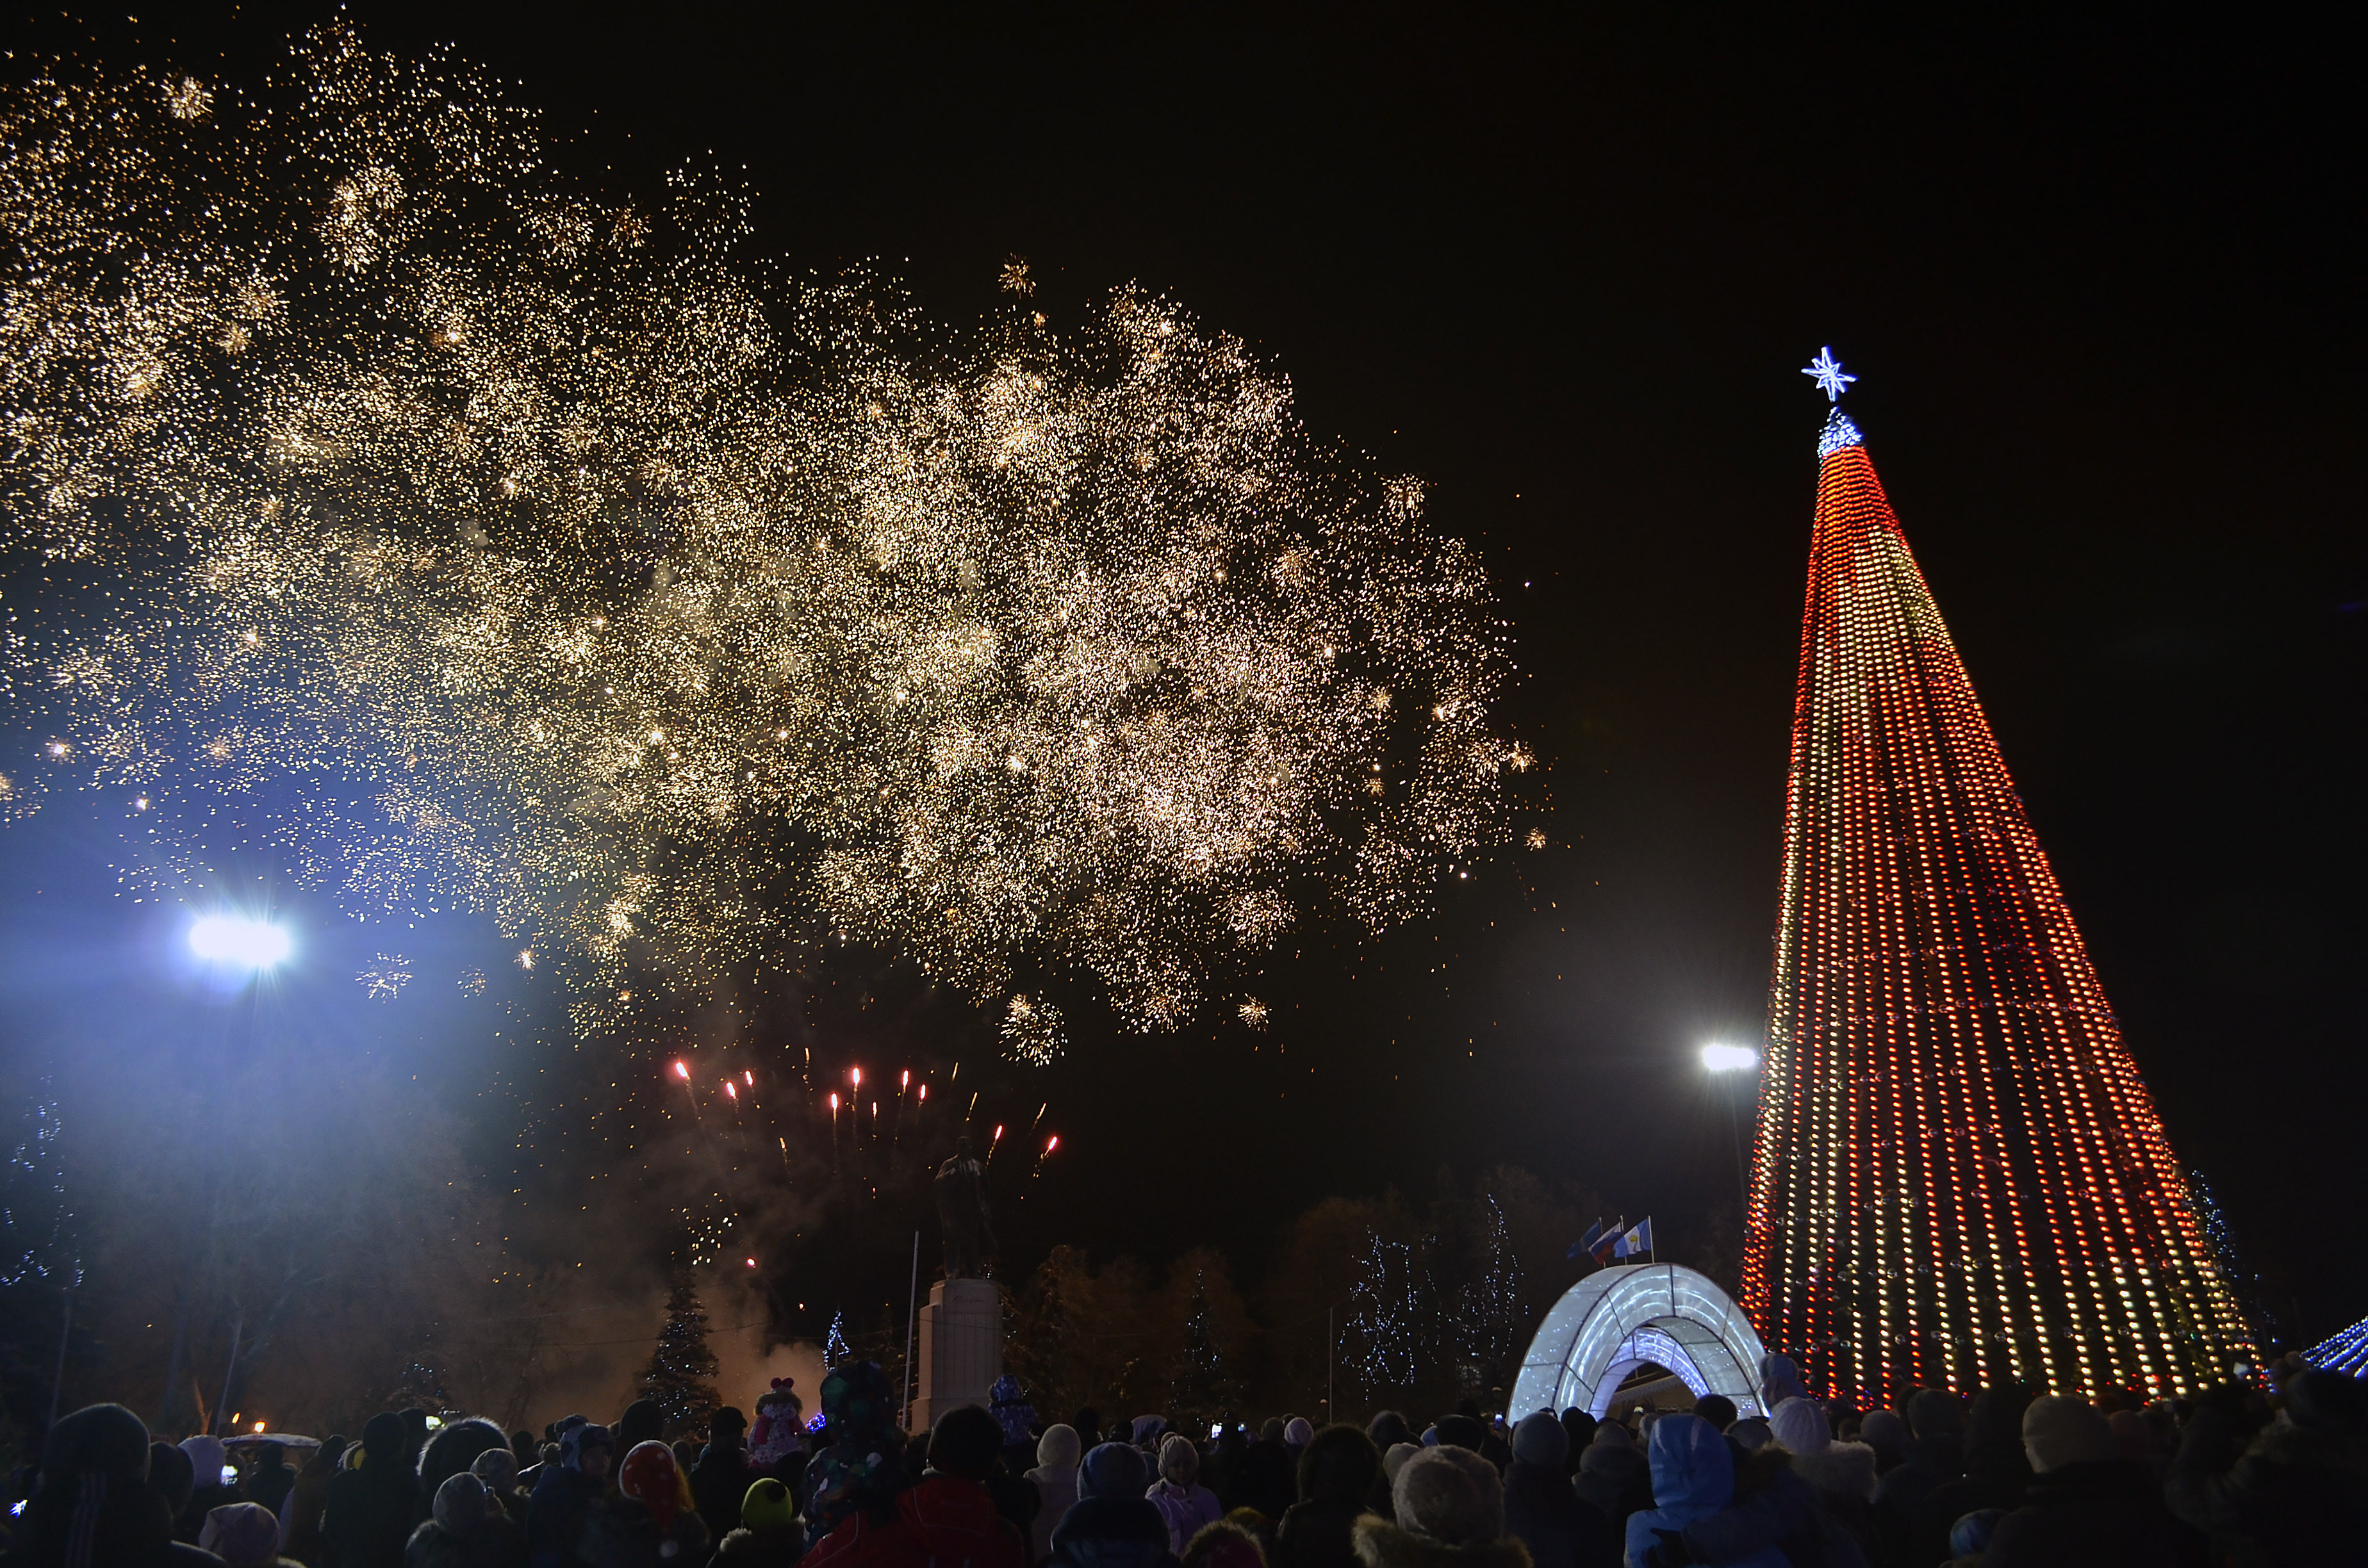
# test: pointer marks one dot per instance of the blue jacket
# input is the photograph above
(1693, 1477)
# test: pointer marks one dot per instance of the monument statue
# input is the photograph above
(962, 1214)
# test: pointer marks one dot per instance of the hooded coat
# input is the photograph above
(1181, 1500)
(1111, 1525)
(1448, 1511)
(466, 1527)
(1613, 1478)
(366, 1516)
(1693, 1478)
(94, 1507)
(1337, 1475)
(562, 1499)
(300, 1515)
(1055, 1478)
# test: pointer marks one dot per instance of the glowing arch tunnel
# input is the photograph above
(1617, 1320)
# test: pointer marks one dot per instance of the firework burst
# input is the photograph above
(469, 541)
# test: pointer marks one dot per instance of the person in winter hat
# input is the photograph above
(299, 1513)
(948, 1520)
(366, 1515)
(1693, 1478)
(1885, 1432)
(768, 1536)
(643, 1422)
(776, 1438)
(272, 1478)
(1055, 1478)
(1268, 1473)
(466, 1527)
(1997, 1470)
(450, 1452)
(722, 1475)
(1337, 1476)
(1181, 1500)
(1614, 1476)
(1450, 1513)
(1842, 1474)
(497, 1467)
(1297, 1433)
(2296, 1492)
(2087, 1505)
(1112, 1524)
(1016, 1417)
(244, 1535)
(1906, 1528)
(1775, 1503)
(564, 1494)
(1395, 1462)
(207, 1459)
(863, 1467)
(1779, 1380)
(1540, 1508)
(652, 1522)
(1224, 1545)
(92, 1507)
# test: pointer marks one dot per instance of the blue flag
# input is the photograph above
(1587, 1242)
(1636, 1241)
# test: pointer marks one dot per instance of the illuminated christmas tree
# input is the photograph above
(1958, 1177)
(681, 1373)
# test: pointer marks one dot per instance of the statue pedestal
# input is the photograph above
(962, 1348)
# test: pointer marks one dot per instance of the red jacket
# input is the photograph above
(945, 1522)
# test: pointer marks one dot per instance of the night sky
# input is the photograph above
(2100, 287)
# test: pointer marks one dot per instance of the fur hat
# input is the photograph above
(1885, 1433)
(2058, 1431)
(1539, 1439)
(497, 1467)
(207, 1457)
(1395, 1461)
(1060, 1447)
(1799, 1426)
(1180, 1462)
(1113, 1470)
(1452, 1495)
(241, 1534)
(462, 1503)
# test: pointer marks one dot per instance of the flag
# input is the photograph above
(1587, 1242)
(1606, 1240)
(1636, 1241)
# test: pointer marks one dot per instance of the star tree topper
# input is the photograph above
(1826, 371)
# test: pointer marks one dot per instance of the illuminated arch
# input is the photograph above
(1617, 1320)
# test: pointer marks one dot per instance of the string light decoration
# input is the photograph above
(2346, 1352)
(1958, 1177)
(1379, 1335)
(395, 506)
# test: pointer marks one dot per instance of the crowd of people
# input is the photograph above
(2274, 1474)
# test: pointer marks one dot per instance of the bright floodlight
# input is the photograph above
(236, 942)
(1729, 1059)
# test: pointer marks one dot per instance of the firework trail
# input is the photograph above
(376, 497)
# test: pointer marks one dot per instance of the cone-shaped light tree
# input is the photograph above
(681, 1373)
(1958, 1177)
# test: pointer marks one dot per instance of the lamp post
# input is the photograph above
(241, 949)
(1732, 1062)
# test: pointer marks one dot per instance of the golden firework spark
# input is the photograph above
(476, 543)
